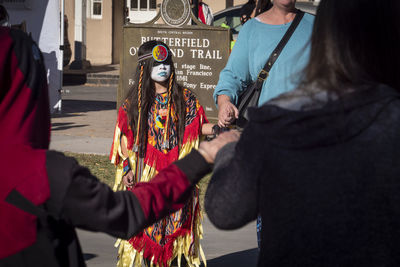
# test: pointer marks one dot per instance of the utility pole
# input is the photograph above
(80, 61)
(195, 9)
(228, 3)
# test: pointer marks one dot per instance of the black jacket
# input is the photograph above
(323, 174)
(78, 199)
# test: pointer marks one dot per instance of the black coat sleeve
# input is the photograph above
(231, 199)
(81, 199)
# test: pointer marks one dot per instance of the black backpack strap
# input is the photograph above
(16, 199)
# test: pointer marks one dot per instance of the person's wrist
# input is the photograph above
(205, 155)
(223, 99)
(216, 130)
(126, 167)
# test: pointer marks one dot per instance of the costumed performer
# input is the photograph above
(158, 123)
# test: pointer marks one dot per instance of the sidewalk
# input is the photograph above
(86, 124)
(88, 132)
(102, 75)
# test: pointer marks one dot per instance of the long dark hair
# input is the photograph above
(247, 9)
(354, 42)
(147, 91)
(262, 6)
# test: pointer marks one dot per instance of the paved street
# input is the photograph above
(222, 248)
(86, 125)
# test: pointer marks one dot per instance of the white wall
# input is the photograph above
(43, 22)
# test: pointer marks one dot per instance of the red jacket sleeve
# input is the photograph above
(92, 205)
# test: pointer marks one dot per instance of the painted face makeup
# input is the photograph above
(162, 63)
(161, 72)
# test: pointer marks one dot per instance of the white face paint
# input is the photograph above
(161, 72)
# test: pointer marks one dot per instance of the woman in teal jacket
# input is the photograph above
(256, 40)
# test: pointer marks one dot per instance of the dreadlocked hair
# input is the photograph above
(139, 108)
(144, 87)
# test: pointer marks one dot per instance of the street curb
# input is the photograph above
(90, 78)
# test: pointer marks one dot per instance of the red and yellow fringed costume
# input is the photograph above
(179, 233)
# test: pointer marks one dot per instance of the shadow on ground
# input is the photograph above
(74, 79)
(88, 256)
(74, 107)
(246, 258)
(80, 76)
(92, 69)
(65, 126)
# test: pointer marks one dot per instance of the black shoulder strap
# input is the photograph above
(18, 200)
(278, 49)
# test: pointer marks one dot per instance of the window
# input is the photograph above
(143, 5)
(96, 9)
(153, 4)
(134, 4)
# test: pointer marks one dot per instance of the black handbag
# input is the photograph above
(251, 94)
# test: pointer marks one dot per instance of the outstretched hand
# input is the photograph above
(210, 149)
(128, 179)
(227, 112)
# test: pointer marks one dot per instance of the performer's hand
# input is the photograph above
(210, 149)
(128, 179)
(227, 112)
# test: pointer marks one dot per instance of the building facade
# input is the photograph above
(104, 20)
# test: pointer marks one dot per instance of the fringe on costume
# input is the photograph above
(181, 244)
(141, 250)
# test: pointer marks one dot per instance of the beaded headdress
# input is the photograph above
(159, 54)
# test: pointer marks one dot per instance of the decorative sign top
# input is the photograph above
(175, 13)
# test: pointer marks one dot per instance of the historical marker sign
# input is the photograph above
(199, 55)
